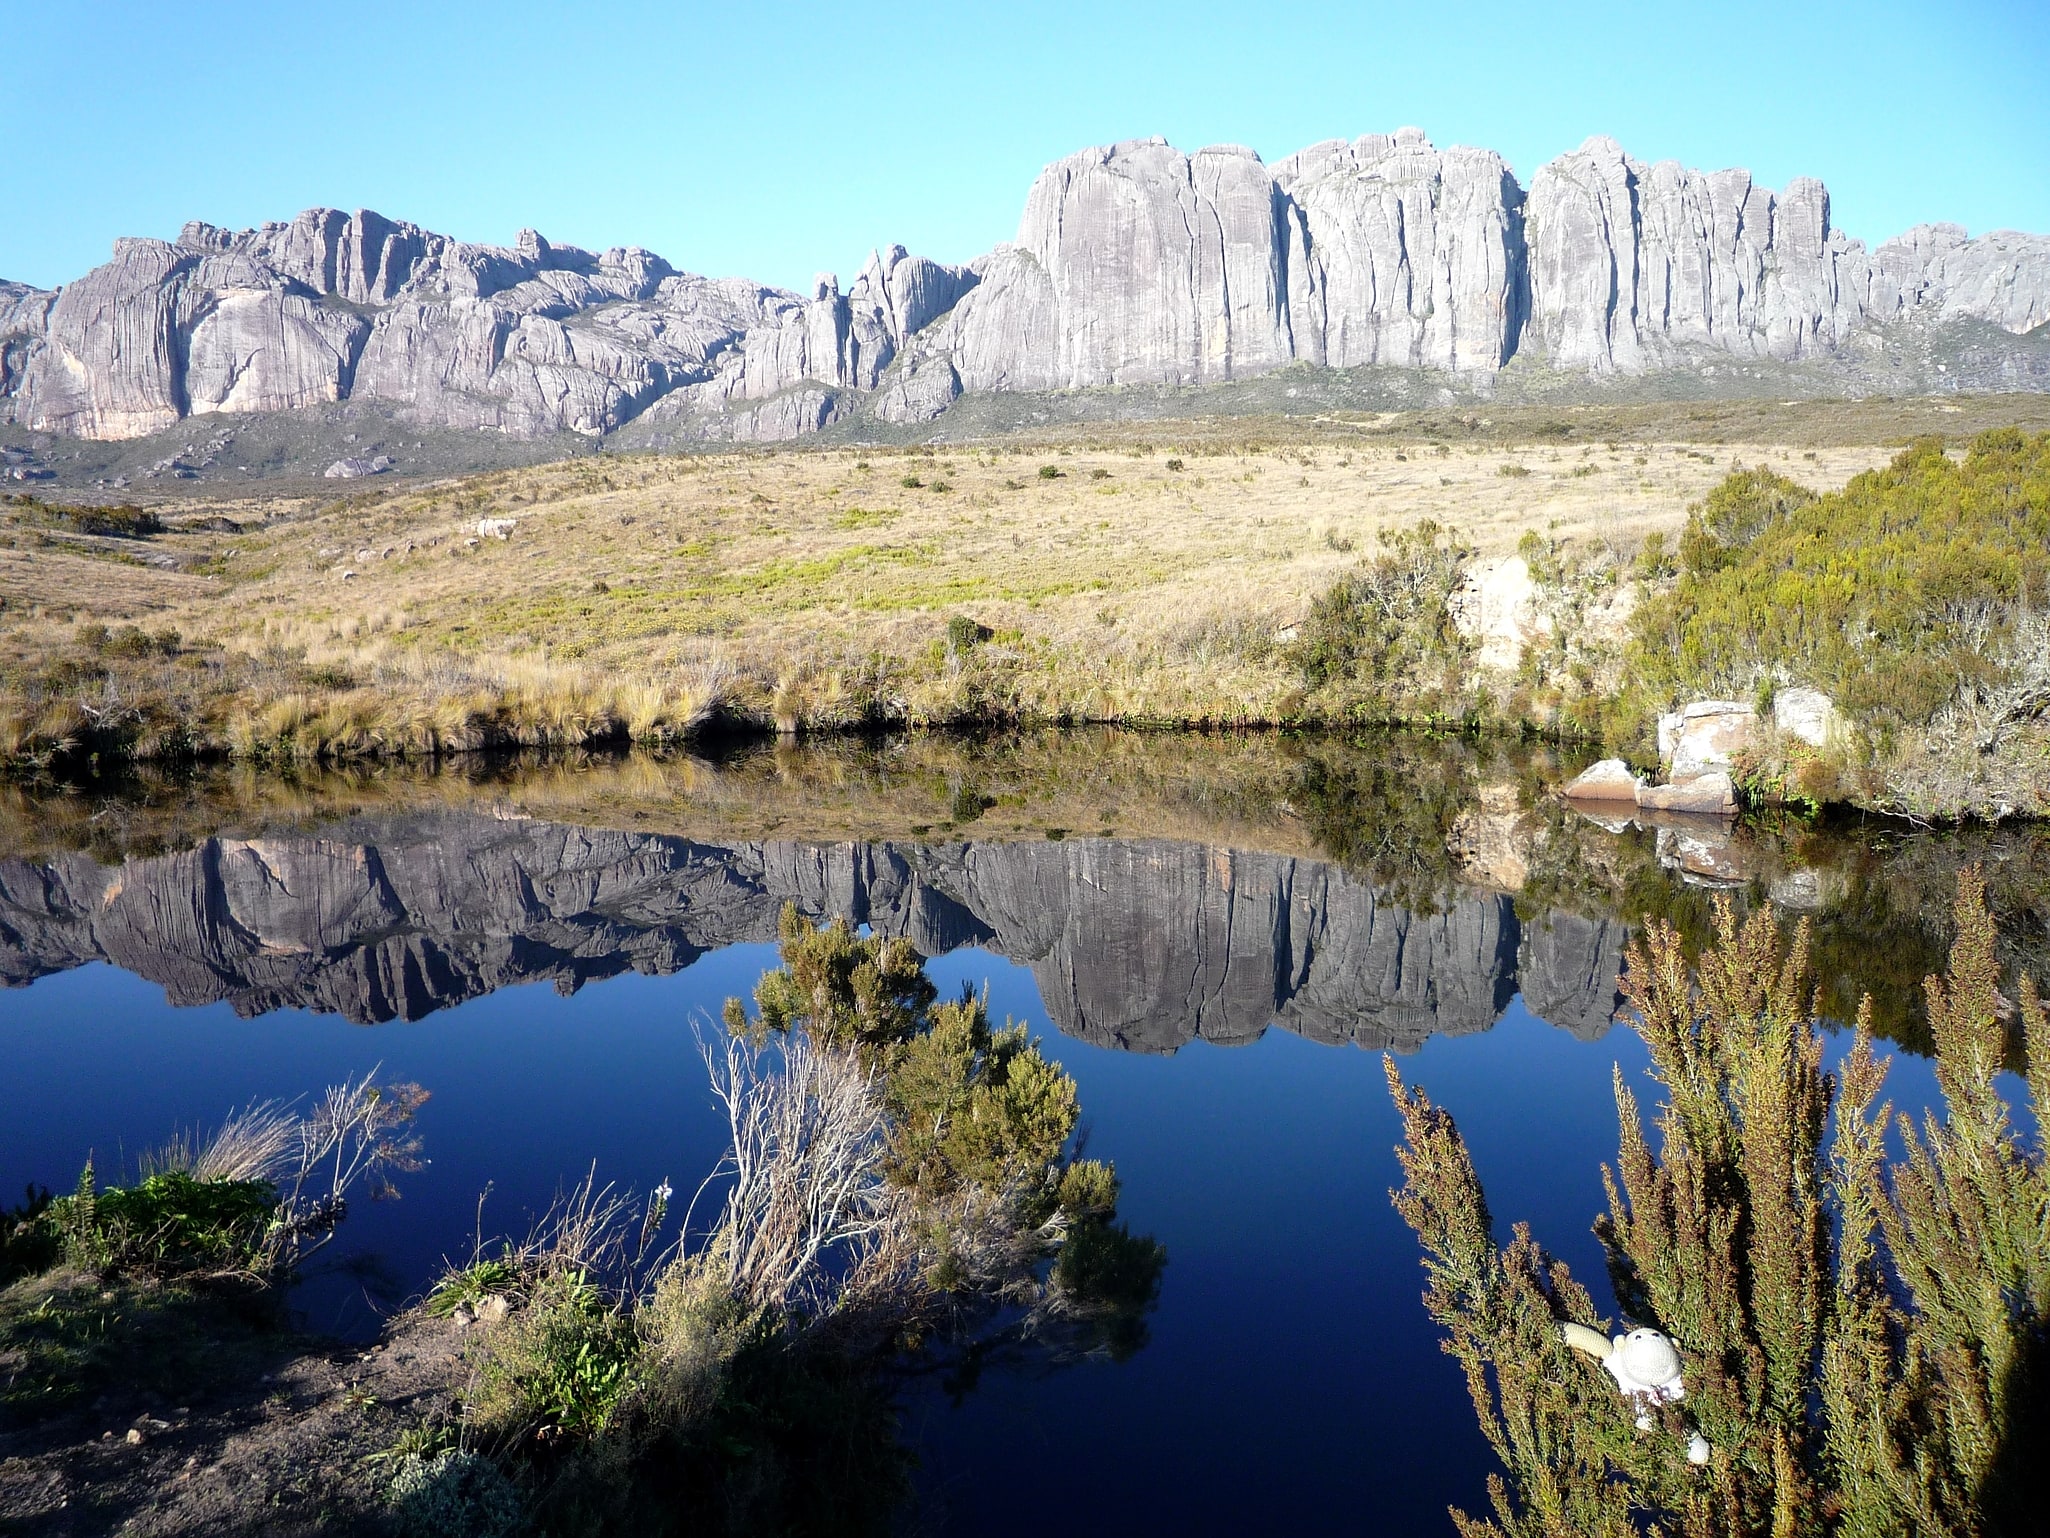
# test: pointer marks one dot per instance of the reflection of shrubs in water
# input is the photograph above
(1389, 815)
(1863, 1342)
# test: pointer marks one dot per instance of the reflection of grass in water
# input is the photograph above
(1864, 1342)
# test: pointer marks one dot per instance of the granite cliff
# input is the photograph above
(1134, 264)
(1139, 945)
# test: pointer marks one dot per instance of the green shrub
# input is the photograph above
(965, 634)
(166, 1224)
(972, 1105)
(453, 1495)
(1174, 464)
(1051, 472)
(843, 989)
(1385, 631)
(1895, 595)
(561, 1367)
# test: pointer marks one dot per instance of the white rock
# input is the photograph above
(1609, 780)
(1713, 795)
(1705, 737)
(496, 528)
(355, 468)
(1496, 607)
(1807, 715)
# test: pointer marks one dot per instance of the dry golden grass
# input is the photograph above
(1129, 588)
(813, 588)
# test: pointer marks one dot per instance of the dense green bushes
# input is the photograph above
(1898, 596)
(1380, 644)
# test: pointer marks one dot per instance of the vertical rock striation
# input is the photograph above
(1139, 945)
(1134, 264)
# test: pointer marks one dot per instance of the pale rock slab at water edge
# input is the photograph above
(1611, 780)
(1710, 795)
(1705, 737)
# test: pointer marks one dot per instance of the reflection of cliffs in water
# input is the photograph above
(1139, 945)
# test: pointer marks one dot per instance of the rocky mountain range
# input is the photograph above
(1136, 944)
(1135, 264)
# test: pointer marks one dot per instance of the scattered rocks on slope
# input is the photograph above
(351, 469)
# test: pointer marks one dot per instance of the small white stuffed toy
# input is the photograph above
(1647, 1373)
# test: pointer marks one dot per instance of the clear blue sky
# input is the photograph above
(778, 139)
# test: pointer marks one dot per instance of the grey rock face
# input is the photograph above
(1405, 255)
(1133, 264)
(1137, 945)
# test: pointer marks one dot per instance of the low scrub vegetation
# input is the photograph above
(142, 1283)
(124, 522)
(1861, 1306)
(1917, 590)
(900, 1185)
(1380, 644)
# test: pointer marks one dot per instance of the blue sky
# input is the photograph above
(778, 139)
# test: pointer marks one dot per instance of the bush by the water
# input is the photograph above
(1914, 588)
(1380, 643)
(901, 1179)
(1861, 1305)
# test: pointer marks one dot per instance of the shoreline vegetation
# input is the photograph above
(1563, 589)
(902, 1193)
(1860, 1303)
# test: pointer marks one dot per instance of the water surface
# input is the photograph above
(1218, 938)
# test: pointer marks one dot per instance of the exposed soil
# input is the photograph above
(273, 1434)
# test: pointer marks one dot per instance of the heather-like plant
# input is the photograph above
(841, 990)
(1862, 1337)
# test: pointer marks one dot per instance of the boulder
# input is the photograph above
(1711, 795)
(354, 468)
(1496, 607)
(1806, 715)
(1705, 738)
(1609, 780)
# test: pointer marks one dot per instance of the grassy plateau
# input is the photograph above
(1170, 573)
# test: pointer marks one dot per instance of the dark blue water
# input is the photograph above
(1291, 1381)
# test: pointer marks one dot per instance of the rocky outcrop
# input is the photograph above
(1134, 264)
(1136, 945)
(1408, 256)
